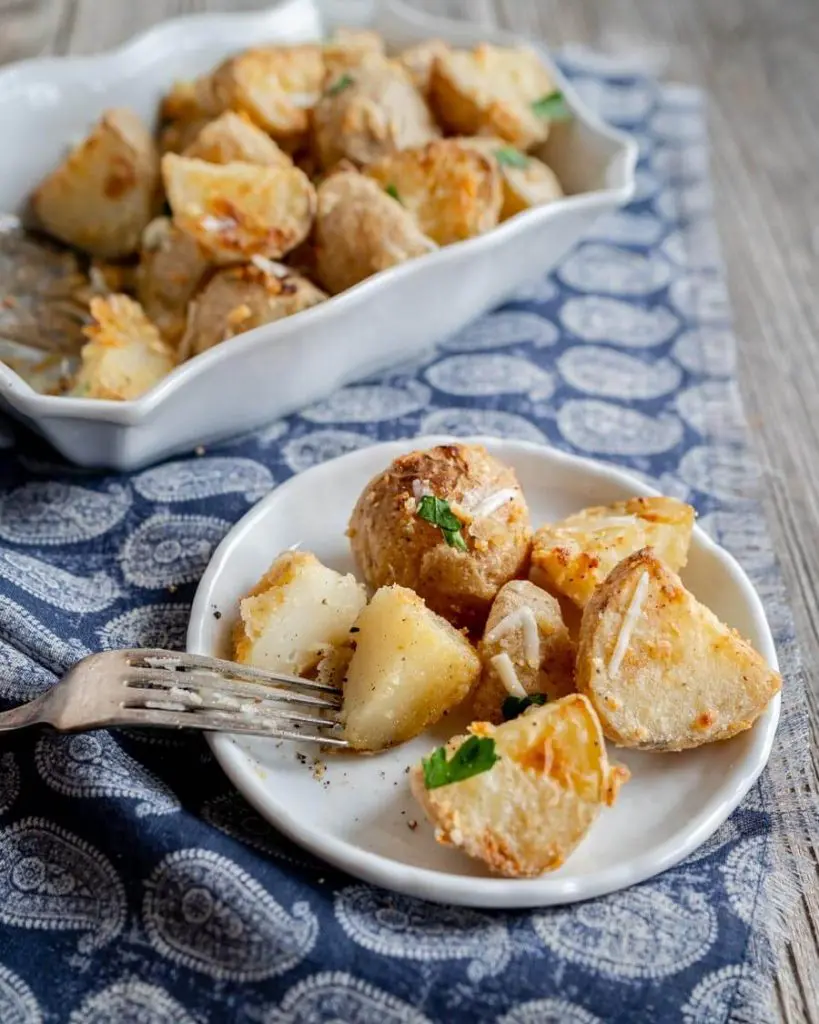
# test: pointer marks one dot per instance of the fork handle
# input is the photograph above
(26, 714)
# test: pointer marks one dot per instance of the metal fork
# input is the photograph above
(170, 690)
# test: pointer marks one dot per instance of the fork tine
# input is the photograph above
(219, 693)
(185, 700)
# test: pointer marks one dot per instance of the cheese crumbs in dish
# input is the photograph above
(440, 632)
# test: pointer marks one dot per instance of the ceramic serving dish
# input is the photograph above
(280, 367)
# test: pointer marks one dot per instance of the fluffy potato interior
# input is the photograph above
(409, 667)
(297, 612)
(660, 668)
(528, 812)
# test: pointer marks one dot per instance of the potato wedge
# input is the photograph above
(125, 355)
(360, 230)
(238, 210)
(296, 614)
(526, 181)
(531, 808)
(417, 61)
(369, 111)
(392, 543)
(237, 299)
(452, 191)
(103, 194)
(234, 137)
(526, 626)
(170, 270)
(190, 100)
(574, 556)
(409, 668)
(661, 670)
(491, 90)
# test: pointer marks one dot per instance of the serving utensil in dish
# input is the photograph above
(280, 367)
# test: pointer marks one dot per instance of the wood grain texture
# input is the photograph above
(757, 61)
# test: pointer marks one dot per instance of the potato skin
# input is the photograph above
(367, 112)
(452, 191)
(392, 544)
(489, 90)
(237, 299)
(234, 137)
(360, 230)
(685, 678)
(103, 194)
(171, 268)
(417, 61)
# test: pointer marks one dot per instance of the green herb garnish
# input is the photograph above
(514, 706)
(475, 755)
(511, 157)
(342, 83)
(391, 190)
(437, 511)
(552, 107)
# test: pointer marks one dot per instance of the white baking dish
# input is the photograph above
(280, 367)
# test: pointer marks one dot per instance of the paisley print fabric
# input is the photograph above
(137, 887)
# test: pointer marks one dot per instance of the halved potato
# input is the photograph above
(526, 181)
(237, 210)
(525, 635)
(492, 90)
(347, 48)
(234, 137)
(409, 667)
(237, 299)
(574, 556)
(660, 668)
(171, 267)
(417, 61)
(190, 100)
(103, 194)
(368, 111)
(360, 230)
(125, 355)
(529, 811)
(452, 191)
(296, 614)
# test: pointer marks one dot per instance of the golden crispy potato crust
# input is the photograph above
(231, 137)
(360, 230)
(417, 61)
(533, 184)
(452, 191)
(551, 672)
(527, 813)
(102, 195)
(572, 557)
(392, 544)
(368, 112)
(661, 670)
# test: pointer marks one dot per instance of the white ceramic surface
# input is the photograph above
(357, 816)
(280, 367)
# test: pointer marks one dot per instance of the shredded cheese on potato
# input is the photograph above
(523, 618)
(629, 622)
(492, 502)
(271, 267)
(502, 664)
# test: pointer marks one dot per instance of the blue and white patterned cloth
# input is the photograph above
(136, 887)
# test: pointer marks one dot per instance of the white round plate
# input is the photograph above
(359, 815)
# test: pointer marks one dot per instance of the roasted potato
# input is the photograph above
(295, 615)
(176, 136)
(525, 649)
(360, 230)
(459, 571)
(124, 356)
(369, 111)
(574, 556)
(452, 191)
(491, 90)
(417, 61)
(347, 48)
(526, 812)
(190, 100)
(526, 181)
(234, 137)
(171, 268)
(409, 667)
(237, 299)
(238, 210)
(103, 194)
(661, 670)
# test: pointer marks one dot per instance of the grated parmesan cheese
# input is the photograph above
(304, 100)
(492, 502)
(502, 664)
(272, 267)
(211, 223)
(629, 622)
(525, 619)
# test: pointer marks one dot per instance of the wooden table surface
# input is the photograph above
(758, 61)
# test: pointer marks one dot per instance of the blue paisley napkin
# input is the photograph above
(137, 887)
